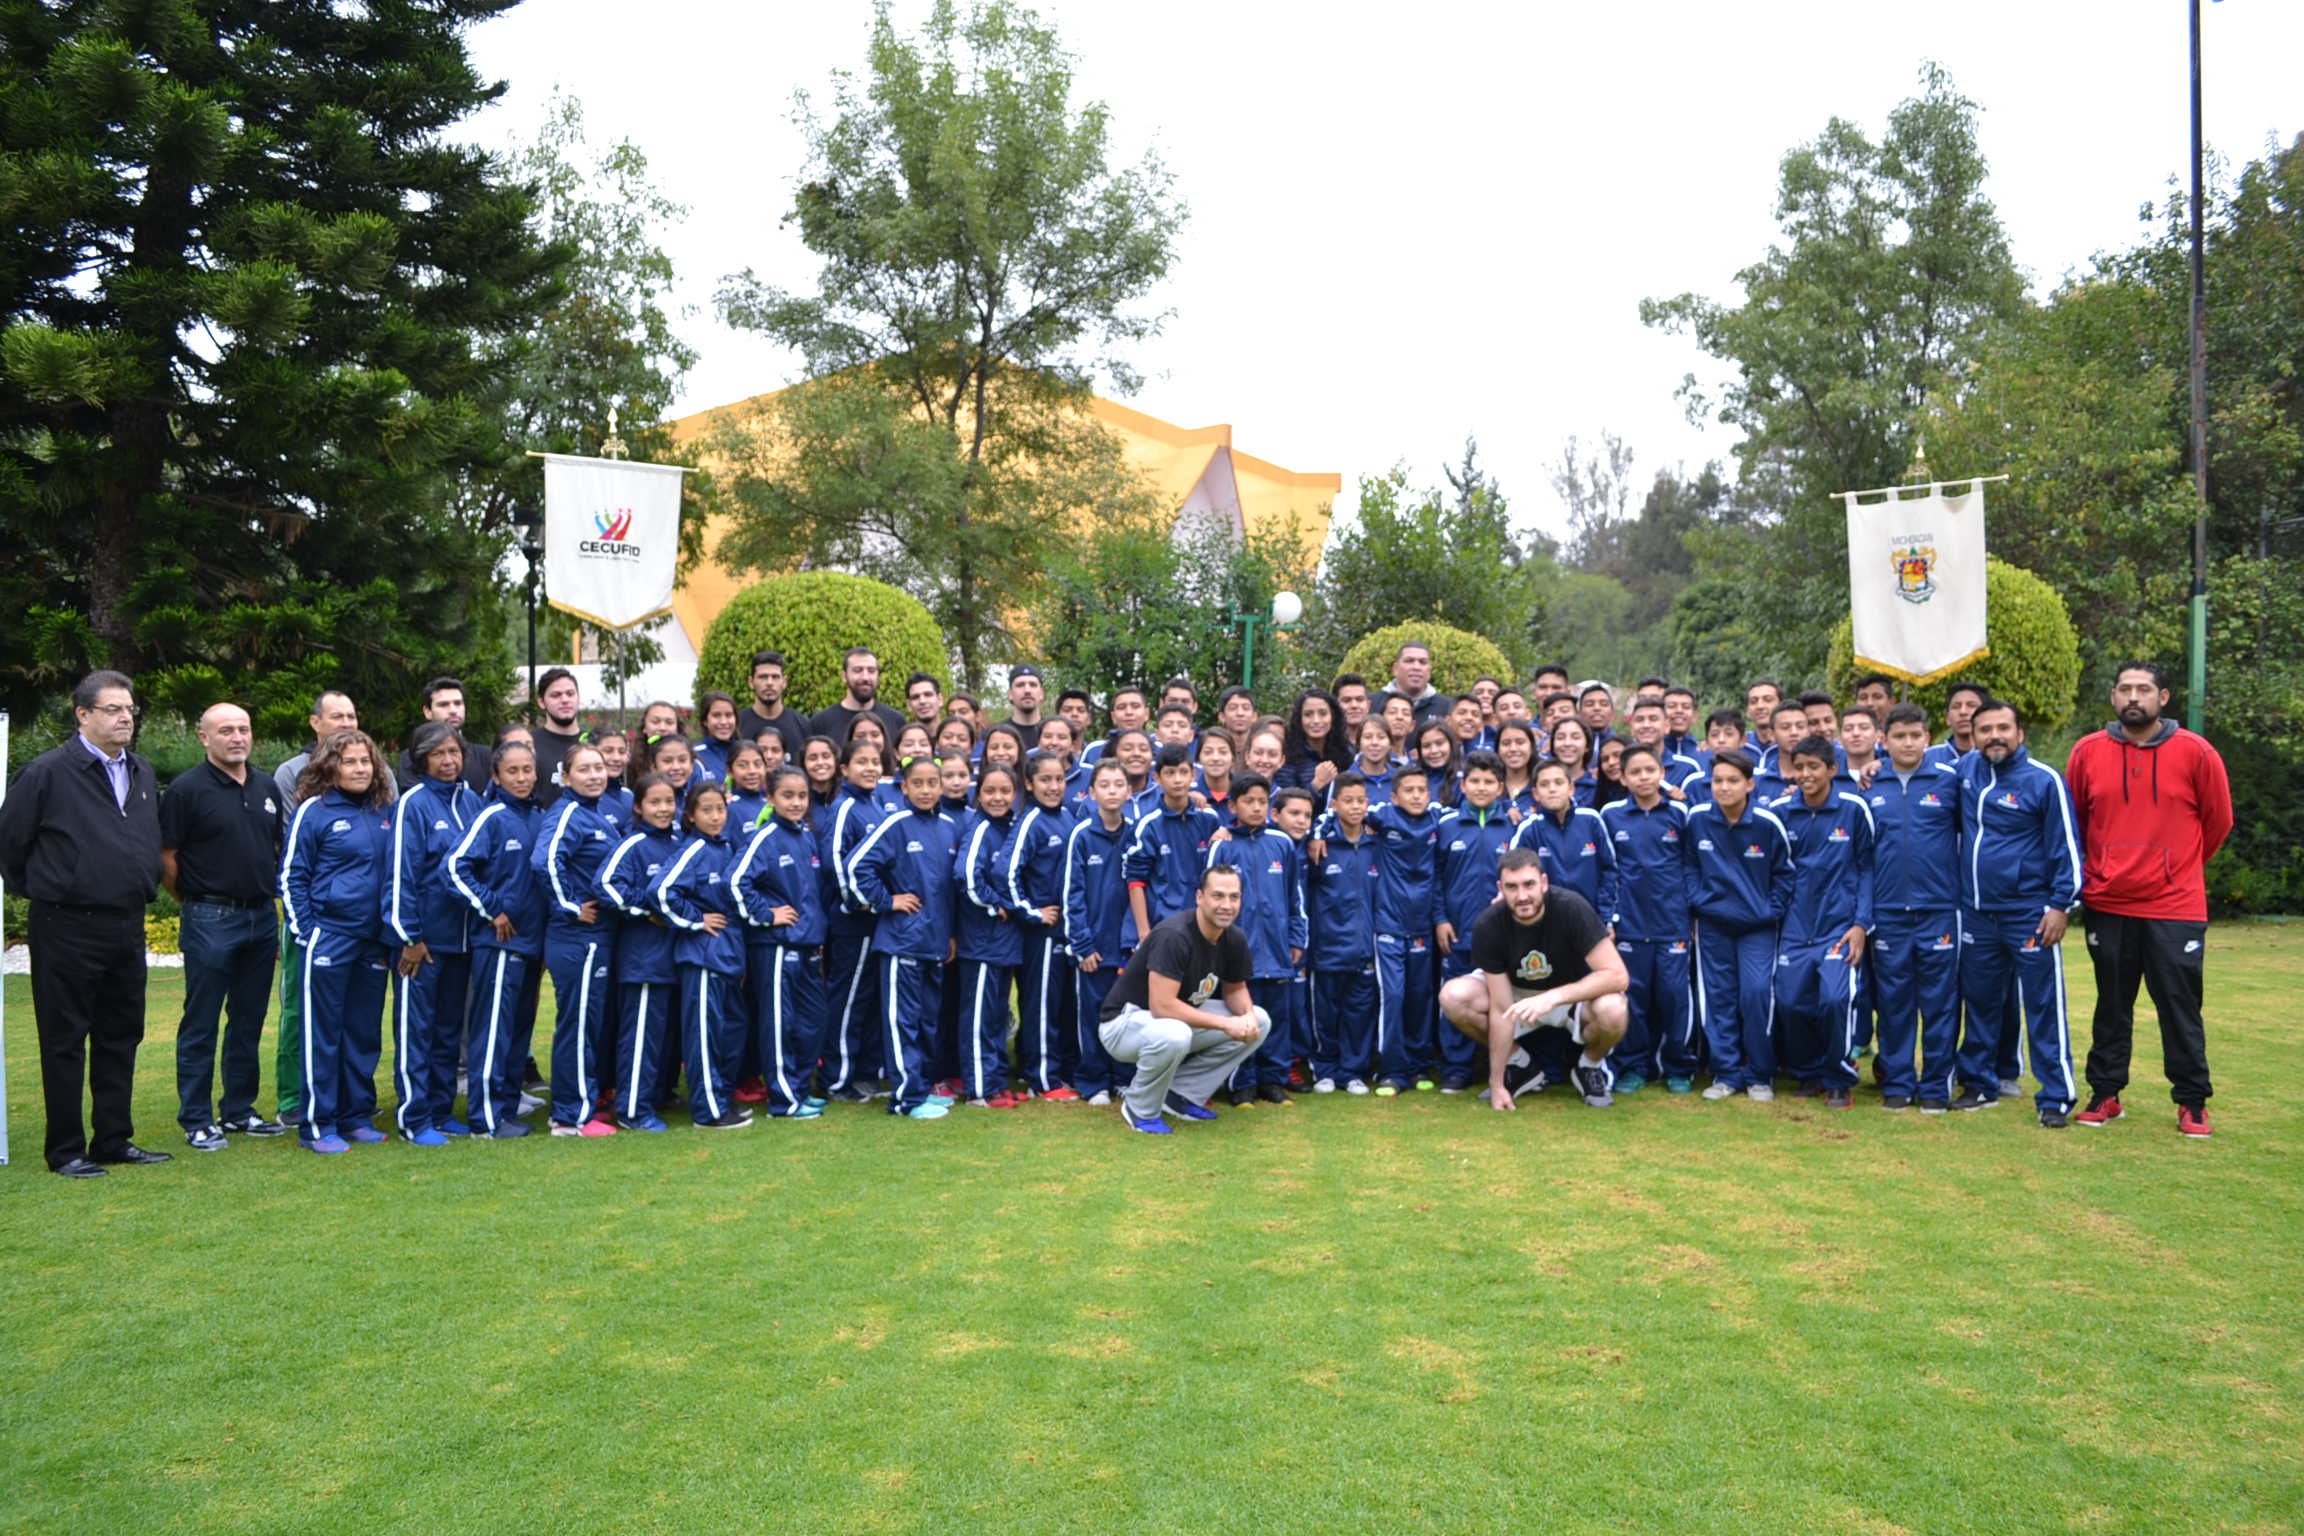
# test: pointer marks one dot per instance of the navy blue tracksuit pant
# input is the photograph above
(1344, 1014)
(2000, 959)
(712, 1027)
(854, 1053)
(1268, 1063)
(1817, 995)
(982, 1031)
(911, 994)
(793, 1009)
(1093, 1071)
(644, 1011)
(1660, 1040)
(428, 1038)
(1459, 1052)
(1406, 985)
(342, 994)
(1915, 966)
(500, 982)
(1735, 993)
(1046, 1029)
(579, 967)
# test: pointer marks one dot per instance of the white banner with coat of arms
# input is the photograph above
(611, 538)
(1916, 579)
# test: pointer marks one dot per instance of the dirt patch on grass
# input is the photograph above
(1430, 1355)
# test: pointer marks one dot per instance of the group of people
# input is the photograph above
(1379, 892)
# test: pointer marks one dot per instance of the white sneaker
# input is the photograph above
(1324, 1085)
(529, 1104)
(1355, 1086)
(1100, 1100)
(1719, 1091)
(1762, 1093)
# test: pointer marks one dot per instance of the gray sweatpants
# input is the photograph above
(1170, 1054)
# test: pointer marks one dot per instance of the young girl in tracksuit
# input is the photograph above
(695, 896)
(989, 946)
(747, 786)
(1099, 929)
(1743, 888)
(853, 1049)
(903, 872)
(780, 896)
(1033, 871)
(579, 939)
(332, 874)
(647, 985)
(427, 922)
(490, 869)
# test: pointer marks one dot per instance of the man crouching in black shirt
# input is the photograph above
(1542, 959)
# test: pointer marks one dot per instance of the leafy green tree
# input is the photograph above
(246, 289)
(983, 263)
(813, 617)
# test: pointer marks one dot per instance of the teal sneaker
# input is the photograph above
(929, 1109)
(1631, 1082)
(1679, 1085)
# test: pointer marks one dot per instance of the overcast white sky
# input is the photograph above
(1411, 223)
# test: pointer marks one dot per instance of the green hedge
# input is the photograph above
(813, 617)
(2035, 660)
(1458, 655)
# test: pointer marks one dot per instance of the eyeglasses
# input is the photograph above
(115, 711)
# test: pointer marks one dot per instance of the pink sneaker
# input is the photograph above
(598, 1125)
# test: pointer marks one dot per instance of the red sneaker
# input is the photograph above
(1061, 1094)
(952, 1088)
(2100, 1111)
(598, 1125)
(1002, 1100)
(751, 1091)
(2192, 1122)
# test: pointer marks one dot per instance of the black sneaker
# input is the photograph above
(1592, 1082)
(2054, 1120)
(209, 1138)
(851, 1095)
(1240, 1098)
(531, 1080)
(1931, 1106)
(1839, 1098)
(253, 1124)
(731, 1121)
(1813, 1090)
(1973, 1100)
(1273, 1093)
(1899, 1101)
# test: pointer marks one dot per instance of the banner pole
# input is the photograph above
(3, 971)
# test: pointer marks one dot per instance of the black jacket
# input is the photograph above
(64, 839)
(479, 767)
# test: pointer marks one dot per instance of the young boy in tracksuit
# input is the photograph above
(1820, 948)
(647, 977)
(1476, 839)
(1170, 848)
(1571, 840)
(1273, 917)
(2022, 878)
(1341, 896)
(579, 939)
(1099, 929)
(427, 923)
(780, 897)
(1293, 811)
(988, 944)
(696, 897)
(903, 872)
(332, 873)
(1408, 834)
(1743, 886)
(1915, 951)
(1034, 874)
(1655, 879)
(490, 869)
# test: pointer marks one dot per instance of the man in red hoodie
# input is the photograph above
(2153, 806)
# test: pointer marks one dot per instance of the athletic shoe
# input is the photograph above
(1355, 1085)
(291, 1119)
(1177, 1104)
(2192, 1120)
(1273, 1093)
(601, 1125)
(1425, 1085)
(1324, 1085)
(731, 1121)
(209, 1138)
(508, 1130)
(365, 1135)
(559, 1129)
(2101, 1111)
(1902, 1101)
(454, 1128)
(1631, 1082)
(1299, 1077)
(1761, 1093)
(2054, 1120)
(814, 1103)
(1151, 1126)
(1812, 1090)
(801, 1111)
(1100, 1099)
(1522, 1075)
(1717, 1089)
(1933, 1106)
(928, 1109)
(1971, 1099)
(1387, 1090)
(1240, 1098)
(253, 1124)
(1840, 1098)
(1061, 1094)
(430, 1136)
(951, 1089)
(2011, 1086)
(977, 1103)
(328, 1144)
(1004, 1099)
(945, 1099)
(852, 1095)
(529, 1103)
(531, 1080)
(1454, 1084)
(750, 1091)
(1679, 1085)
(1592, 1082)
(651, 1123)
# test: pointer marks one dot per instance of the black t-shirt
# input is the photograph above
(1030, 732)
(1176, 949)
(552, 749)
(833, 722)
(226, 835)
(788, 725)
(1548, 953)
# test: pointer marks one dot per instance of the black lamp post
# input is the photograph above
(531, 525)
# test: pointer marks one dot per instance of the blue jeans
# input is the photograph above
(229, 953)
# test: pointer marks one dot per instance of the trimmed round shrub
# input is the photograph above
(1458, 655)
(2035, 660)
(814, 617)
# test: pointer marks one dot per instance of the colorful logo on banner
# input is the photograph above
(615, 541)
(1914, 557)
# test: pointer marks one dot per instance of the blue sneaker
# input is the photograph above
(929, 1109)
(649, 1123)
(506, 1130)
(430, 1136)
(1151, 1126)
(365, 1135)
(814, 1103)
(327, 1144)
(454, 1128)
(943, 1099)
(805, 1110)
(1177, 1104)
(1631, 1082)
(1679, 1085)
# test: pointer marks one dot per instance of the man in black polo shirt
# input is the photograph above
(80, 836)
(1159, 1015)
(1542, 959)
(220, 856)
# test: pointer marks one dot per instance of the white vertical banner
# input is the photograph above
(611, 538)
(1916, 579)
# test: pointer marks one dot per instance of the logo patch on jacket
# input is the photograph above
(1838, 835)
(1754, 851)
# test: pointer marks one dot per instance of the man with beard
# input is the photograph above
(557, 733)
(768, 711)
(2153, 806)
(860, 670)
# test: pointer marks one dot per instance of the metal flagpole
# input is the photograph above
(2196, 684)
(3, 972)
(612, 447)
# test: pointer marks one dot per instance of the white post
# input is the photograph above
(3, 973)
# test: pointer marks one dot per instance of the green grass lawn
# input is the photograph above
(1346, 1315)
